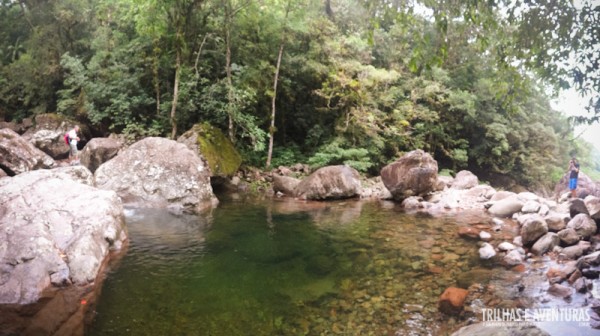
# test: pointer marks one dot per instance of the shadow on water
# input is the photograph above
(281, 267)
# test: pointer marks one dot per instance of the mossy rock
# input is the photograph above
(220, 153)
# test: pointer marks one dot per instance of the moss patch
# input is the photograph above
(221, 155)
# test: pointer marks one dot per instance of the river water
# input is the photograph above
(285, 267)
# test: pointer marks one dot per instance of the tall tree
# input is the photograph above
(275, 82)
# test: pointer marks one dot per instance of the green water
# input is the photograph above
(277, 267)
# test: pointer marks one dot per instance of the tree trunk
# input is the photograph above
(275, 81)
(229, 80)
(156, 78)
(175, 94)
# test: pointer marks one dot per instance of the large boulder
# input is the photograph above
(331, 182)
(585, 186)
(465, 180)
(592, 203)
(506, 207)
(584, 225)
(158, 172)
(533, 228)
(99, 150)
(577, 206)
(414, 174)
(18, 156)
(210, 143)
(54, 231)
(48, 131)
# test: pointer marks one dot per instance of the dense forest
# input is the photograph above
(323, 82)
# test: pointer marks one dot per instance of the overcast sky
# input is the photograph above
(571, 104)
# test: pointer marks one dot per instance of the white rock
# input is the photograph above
(531, 207)
(487, 251)
(506, 246)
(513, 258)
(485, 236)
(497, 221)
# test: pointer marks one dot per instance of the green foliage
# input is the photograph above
(359, 85)
(337, 152)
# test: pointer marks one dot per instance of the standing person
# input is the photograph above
(574, 169)
(73, 139)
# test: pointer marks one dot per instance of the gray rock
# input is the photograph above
(465, 180)
(513, 258)
(592, 203)
(506, 207)
(412, 203)
(533, 228)
(544, 210)
(592, 259)
(581, 285)
(285, 184)
(560, 291)
(546, 243)
(414, 174)
(502, 194)
(518, 241)
(50, 235)
(332, 182)
(576, 207)
(556, 221)
(568, 236)
(583, 224)
(576, 251)
(99, 150)
(17, 155)
(506, 246)
(531, 207)
(159, 172)
(444, 181)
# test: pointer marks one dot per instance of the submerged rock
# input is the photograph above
(451, 302)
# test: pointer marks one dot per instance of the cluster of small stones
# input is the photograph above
(562, 236)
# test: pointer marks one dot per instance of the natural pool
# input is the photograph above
(285, 267)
